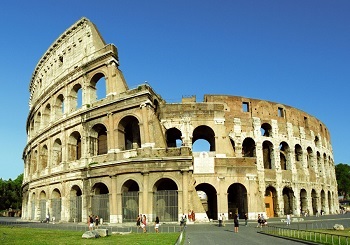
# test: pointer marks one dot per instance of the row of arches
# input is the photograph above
(164, 199)
(305, 202)
(78, 94)
(129, 137)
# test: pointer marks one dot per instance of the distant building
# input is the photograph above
(130, 152)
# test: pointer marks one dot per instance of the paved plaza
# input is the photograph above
(211, 233)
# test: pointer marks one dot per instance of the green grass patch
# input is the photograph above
(23, 235)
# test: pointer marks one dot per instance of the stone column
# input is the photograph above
(114, 197)
(185, 191)
(145, 190)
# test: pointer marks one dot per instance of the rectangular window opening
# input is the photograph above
(306, 123)
(280, 112)
(245, 107)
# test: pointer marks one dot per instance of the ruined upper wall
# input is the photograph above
(79, 44)
(267, 110)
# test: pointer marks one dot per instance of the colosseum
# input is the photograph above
(96, 146)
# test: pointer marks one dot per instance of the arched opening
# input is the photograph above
(303, 202)
(204, 133)
(323, 202)
(248, 148)
(319, 163)
(74, 146)
(34, 162)
(288, 200)
(75, 98)
(173, 137)
(325, 164)
(98, 82)
(317, 141)
(130, 200)
(59, 106)
(46, 115)
(56, 205)
(98, 140)
(209, 201)
(76, 204)
(57, 152)
(298, 153)
(129, 133)
(100, 201)
(330, 206)
(43, 157)
(271, 202)
(267, 154)
(310, 158)
(32, 205)
(42, 206)
(38, 122)
(266, 130)
(165, 200)
(284, 156)
(237, 200)
(314, 202)
(233, 145)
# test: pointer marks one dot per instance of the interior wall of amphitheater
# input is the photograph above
(97, 147)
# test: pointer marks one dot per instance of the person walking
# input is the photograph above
(144, 223)
(90, 223)
(246, 219)
(223, 219)
(220, 220)
(288, 219)
(156, 225)
(97, 221)
(138, 221)
(235, 222)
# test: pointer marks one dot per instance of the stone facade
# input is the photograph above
(97, 147)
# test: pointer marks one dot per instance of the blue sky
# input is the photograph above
(292, 52)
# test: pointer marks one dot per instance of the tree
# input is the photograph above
(342, 172)
(11, 193)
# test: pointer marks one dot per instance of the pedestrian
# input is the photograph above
(138, 221)
(156, 225)
(288, 219)
(220, 220)
(144, 223)
(97, 221)
(90, 223)
(246, 219)
(259, 221)
(223, 219)
(235, 222)
(47, 218)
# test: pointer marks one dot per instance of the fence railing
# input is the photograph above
(308, 235)
(165, 228)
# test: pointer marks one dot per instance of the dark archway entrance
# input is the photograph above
(210, 202)
(130, 200)
(237, 200)
(100, 201)
(75, 204)
(165, 200)
(288, 199)
(303, 201)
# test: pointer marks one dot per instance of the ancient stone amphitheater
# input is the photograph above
(97, 147)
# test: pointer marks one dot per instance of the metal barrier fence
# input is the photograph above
(308, 235)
